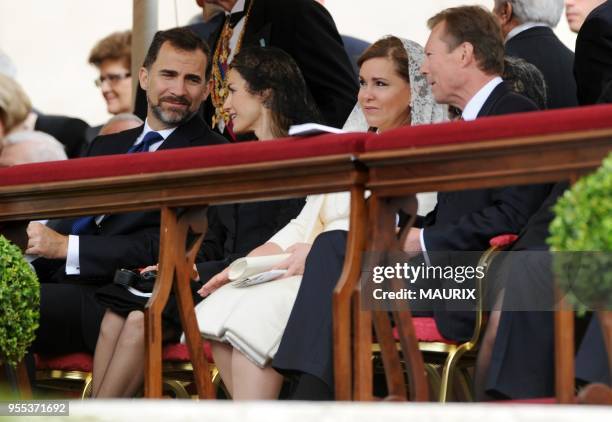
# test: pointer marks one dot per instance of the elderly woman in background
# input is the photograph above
(112, 56)
(15, 106)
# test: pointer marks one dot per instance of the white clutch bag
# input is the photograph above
(250, 271)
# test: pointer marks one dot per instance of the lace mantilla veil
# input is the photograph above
(424, 108)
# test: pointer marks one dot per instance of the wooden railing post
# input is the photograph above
(343, 293)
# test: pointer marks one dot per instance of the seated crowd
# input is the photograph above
(475, 64)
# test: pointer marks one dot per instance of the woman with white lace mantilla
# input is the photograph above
(247, 324)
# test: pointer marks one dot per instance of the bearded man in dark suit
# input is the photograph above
(78, 255)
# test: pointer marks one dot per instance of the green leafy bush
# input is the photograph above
(583, 229)
(19, 303)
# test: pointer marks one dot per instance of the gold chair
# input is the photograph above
(456, 356)
(453, 358)
(72, 373)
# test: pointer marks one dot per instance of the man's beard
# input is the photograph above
(172, 117)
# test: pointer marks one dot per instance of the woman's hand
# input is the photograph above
(194, 273)
(149, 268)
(214, 283)
(296, 262)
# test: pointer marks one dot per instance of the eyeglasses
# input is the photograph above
(112, 78)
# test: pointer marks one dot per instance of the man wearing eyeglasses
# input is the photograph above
(112, 56)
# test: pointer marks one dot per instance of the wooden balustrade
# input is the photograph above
(386, 173)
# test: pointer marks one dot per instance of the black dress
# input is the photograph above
(233, 231)
(307, 344)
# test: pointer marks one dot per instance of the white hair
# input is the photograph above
(44, 147)
(541, 11)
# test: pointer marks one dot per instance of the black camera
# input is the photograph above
(143, 282)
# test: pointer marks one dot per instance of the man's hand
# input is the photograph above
(214, 283)
(412, 244)
(296, 262)
(46, 242)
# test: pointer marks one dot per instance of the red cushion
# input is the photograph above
(84, 362)
(425, 330)
(493, 128)
(183, 159)
(69, 362)
(179, 352)
(503, 240)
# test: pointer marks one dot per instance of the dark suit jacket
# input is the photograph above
(466, 220)
(129, 240)
(354, 48)
(70, 131)
(306, 31)
(593, 65)
(90, 134)
(236, 229)
(541, 47)
(207, 31)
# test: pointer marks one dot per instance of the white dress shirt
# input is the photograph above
(473, 106)
(73, 266)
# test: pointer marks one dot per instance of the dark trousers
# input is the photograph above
(307, 346)
(592, 358)
(70, 319)
(522, 362)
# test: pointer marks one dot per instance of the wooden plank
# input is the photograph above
(182, 188)
(482, 165)
(341, 300)
(170, 239)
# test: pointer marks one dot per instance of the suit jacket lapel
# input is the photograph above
(184, 134)
(118, 143)
(499, 91)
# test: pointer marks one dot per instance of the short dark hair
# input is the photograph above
(273, 74)
(389, 47)
(478, 26)
(182, 39)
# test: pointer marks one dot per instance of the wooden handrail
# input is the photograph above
(169, 191)
(386, 173)
(486, 164)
